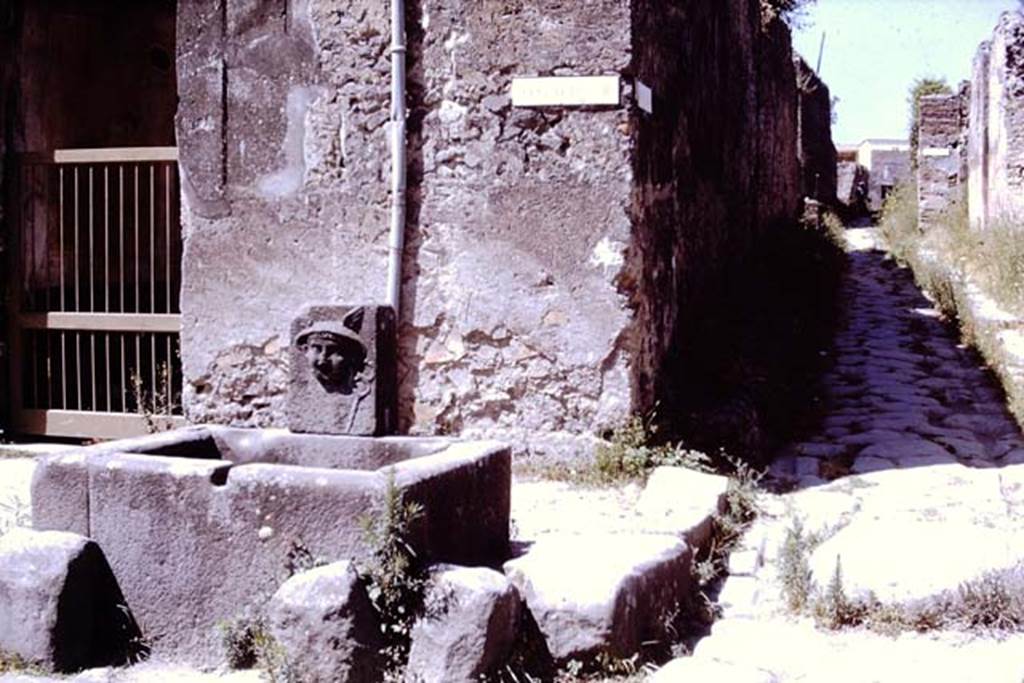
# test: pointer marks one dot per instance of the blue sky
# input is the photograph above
(874, 49)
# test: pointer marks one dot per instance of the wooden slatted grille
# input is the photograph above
(97, 312)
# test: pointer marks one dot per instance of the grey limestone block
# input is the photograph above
(343, 378)
(327, 626)
(468, 627)
(602, 593)
(60, 605)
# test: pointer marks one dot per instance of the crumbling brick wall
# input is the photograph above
(941, 125)
(996, 125)
(552, 253)
(816, 152)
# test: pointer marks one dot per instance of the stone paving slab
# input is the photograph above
(797, 651)
(15, 496)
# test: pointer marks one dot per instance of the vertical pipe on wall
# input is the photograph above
(396, 239)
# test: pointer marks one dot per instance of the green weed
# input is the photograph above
(795, 568)
(248, 644)
(14, 664)
(395, 578)
(628, 454)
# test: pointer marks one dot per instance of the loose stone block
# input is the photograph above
(683, 501)
(906, 559)
(60, 606)
(469, 626)
(602, 592)
(343, 371)
(327, 626)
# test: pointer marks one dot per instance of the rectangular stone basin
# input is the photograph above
(201, 525)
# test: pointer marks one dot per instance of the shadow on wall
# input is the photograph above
(743, 371)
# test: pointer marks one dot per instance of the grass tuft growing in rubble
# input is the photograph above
(14, 664)
(629, 454)
(795, 568)
(992, 604)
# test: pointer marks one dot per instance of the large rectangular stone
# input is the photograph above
(209, 533)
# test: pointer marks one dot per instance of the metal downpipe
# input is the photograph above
(396, 239)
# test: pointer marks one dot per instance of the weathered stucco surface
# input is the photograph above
(552, 254)
(514, 323)
(996, 124)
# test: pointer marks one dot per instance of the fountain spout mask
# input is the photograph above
(336, 353)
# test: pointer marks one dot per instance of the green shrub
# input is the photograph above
(395, 577)
(787, 10)
(248, 644)
(628, 454)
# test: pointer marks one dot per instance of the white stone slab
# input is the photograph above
(565, 91)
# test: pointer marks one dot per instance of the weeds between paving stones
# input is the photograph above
(795, 567)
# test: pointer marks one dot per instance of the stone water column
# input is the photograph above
(938, 157)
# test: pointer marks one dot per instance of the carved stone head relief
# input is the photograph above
(335, 351)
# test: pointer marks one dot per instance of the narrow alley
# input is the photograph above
(913, 486)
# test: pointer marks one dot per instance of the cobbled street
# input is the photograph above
(913, 484)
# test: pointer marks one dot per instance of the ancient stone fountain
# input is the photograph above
(202, 523)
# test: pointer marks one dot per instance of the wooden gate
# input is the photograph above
(95, 316)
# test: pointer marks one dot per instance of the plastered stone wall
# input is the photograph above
(941, 125)
(552, 254)
(996, 125)
(512, 320)
(815, 152)
(515, 325)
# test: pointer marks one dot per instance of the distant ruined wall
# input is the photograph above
(552, 254)
(941, 124)
(715, 164)
(996, 125)
(816, 151)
